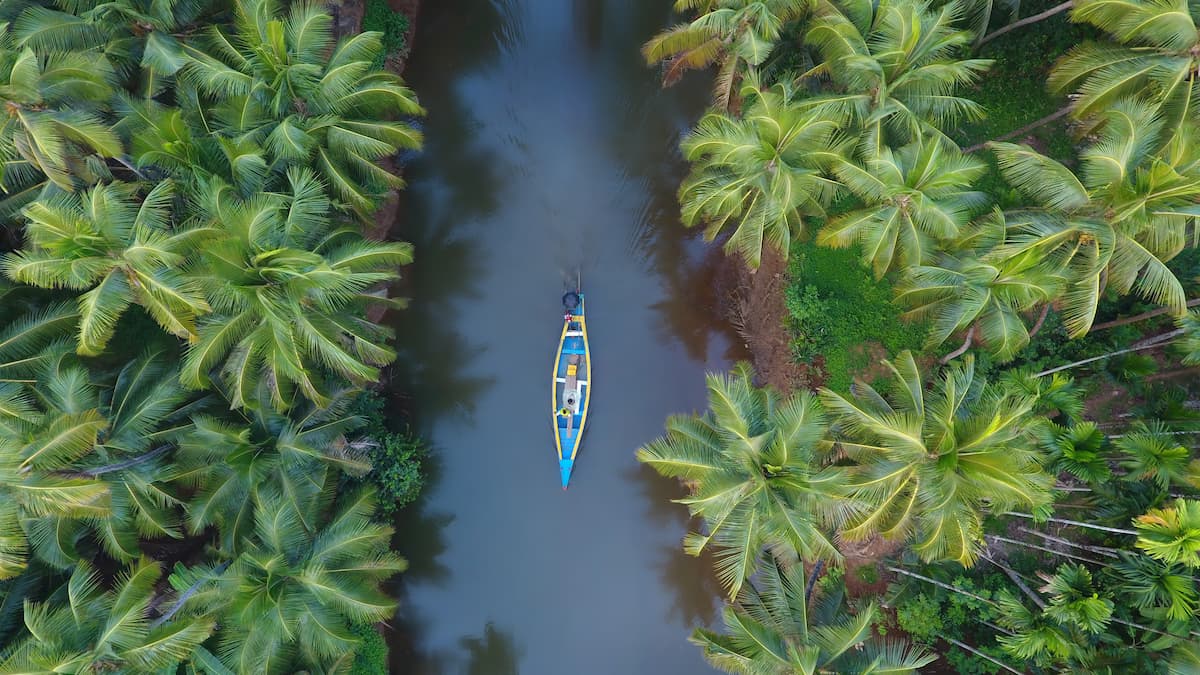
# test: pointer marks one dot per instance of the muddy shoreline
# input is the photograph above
(754, 303)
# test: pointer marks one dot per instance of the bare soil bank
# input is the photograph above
(754, 303)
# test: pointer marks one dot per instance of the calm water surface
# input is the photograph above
(550, 149)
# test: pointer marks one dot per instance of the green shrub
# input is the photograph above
(379, 16)
(920, 616)
(836, 308)
(868, 574)
(396, 471)
(372, 653)
(396, 456)
(966, 663)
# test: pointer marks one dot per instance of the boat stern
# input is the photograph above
(564, 471)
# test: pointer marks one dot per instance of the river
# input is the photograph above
(551, 151)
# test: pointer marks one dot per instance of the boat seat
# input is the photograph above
(574, 333)
(574, 351)
(563, 380)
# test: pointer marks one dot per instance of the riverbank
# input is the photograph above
(755, 304)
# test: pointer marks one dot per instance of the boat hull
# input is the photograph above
(571, 390)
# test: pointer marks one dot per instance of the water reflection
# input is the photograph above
(435, 359)
(494, 653)
(695, 590)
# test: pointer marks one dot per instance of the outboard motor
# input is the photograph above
(570, 301)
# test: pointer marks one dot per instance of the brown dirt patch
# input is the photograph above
(860, 555)
(753, 302)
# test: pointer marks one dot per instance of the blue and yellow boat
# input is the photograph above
(572, 385)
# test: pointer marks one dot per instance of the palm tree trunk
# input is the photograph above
(1016, 579)
(939, 584)
(1139, 317)
(118, 466)
(186, 595)
(1041, 320)
(1026, 544)
(1149, 343)
(1057, 9)
(1101, 550)
(1025, 129)
(965, 346)
(981, 655)
(812, 580)
(1076, 523)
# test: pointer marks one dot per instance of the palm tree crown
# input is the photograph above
(777, 626)
(1117, 223)
(914, 198)
(895, 68)
(929, 463)
(44, 438)
(763, 171)
(52, 123)
(282, 89)
(753, 467)
(92, 630)
(290, 599)
(120, 251)
(286, 295)
(980, 288)
(1155, 55)
(728, 32)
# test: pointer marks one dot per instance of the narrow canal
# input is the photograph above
(551, 151)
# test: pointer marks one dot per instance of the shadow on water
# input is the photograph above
(458, 179)
(695, 590)
(643, 138)
(494, 653)
(420, 539)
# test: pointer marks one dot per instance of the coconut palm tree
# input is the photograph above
(1150, 451)
(913, 199)
(52, 130)
(286, 294)
(734, 34)
(754, 471)
(146, 411)
(929, 463)
(979, 288)
(89, 629)
(1172, 534)
(289, 601)
(45, 436)
(1153, 53)
(224, 461)
(895, 69)
(276, 83)
(778, 626)
(762, 173)
(1067, 630)
(140, 37)
(1156, 589)
(117, 248)
(1118, 223)
(34, 337)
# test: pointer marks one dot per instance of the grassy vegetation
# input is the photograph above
(372, 656)
(379, 16)
(1013, 92)
(837, 310)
